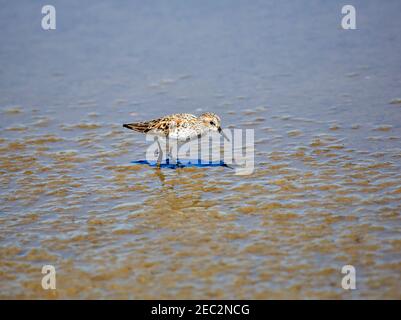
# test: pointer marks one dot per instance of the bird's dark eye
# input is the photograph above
(212, 123)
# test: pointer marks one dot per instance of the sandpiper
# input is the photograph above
(181, 126)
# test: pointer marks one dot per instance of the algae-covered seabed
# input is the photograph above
(326, 189)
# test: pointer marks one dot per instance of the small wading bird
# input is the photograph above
(181, 126)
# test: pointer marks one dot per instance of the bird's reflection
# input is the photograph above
(162, 177)
(177, 193)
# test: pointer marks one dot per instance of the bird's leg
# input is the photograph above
(171, 156)
(173, 151)
(160, 157)
(168, 151)
(178, 148)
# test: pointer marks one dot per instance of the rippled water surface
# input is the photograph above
(325, 105)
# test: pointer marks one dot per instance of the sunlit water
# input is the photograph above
(326, 188)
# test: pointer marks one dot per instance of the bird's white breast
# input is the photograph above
(183, 134)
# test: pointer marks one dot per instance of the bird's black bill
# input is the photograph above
(223, 134)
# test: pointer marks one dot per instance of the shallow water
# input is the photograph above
(326, 191)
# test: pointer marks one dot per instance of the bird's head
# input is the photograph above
(213, 122)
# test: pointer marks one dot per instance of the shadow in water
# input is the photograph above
(188, 163)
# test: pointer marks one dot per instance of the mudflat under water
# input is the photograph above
(326, 191)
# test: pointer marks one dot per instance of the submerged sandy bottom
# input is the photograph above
(112, 229)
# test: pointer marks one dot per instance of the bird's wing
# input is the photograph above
(162, 125)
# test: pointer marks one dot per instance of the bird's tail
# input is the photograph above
(137, 126)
